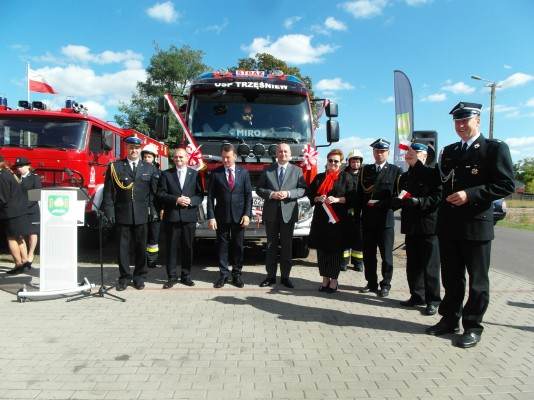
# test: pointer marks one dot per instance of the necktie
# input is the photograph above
(281, 177)
(134, 167)
(377, 169)
(464, 147)
(230, 179)
(180, 179)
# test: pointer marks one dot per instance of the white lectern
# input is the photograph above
(62, 210)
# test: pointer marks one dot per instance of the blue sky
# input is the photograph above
(97, 51)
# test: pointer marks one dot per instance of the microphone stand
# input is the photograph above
(102, 290)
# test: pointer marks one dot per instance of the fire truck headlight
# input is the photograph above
(258, 149)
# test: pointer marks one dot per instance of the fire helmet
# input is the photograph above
(150, 148)
(354, 153)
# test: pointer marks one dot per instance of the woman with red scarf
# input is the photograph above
(329, 231)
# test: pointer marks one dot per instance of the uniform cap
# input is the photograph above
(419, 147)
(380, 144)
(20, 161)
(464, 110)
(133, 140)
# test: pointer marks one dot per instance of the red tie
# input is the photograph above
(230, 179)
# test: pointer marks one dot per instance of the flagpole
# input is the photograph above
(28, 79)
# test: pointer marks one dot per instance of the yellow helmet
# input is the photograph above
(355, 153)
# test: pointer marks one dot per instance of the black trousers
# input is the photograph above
(457, 256)
(138, 234)
(383, 239)
(153, 232)
(422, 267)
(279, 234)
(230, 248)
(180, 236)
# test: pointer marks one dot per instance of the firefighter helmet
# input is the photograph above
(355, 153)
(150, 148)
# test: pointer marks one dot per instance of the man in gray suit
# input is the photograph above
(280, 185)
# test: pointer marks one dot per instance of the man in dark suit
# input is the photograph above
(419, 216)
(280, 185)
(229, 210)
(129, 190)
(180, 192)
(376, 188)
(474, 172)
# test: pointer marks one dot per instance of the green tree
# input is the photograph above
(524, 172)
(169, 71)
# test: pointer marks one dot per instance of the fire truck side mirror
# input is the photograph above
(107, 141)
(162, 127)
(331, 110)
(332, 131)
(163, 106)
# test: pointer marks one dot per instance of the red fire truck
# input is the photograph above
(254, 110)
(66, 147)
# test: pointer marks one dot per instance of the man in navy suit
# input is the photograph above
(180, 192)
(229, 211)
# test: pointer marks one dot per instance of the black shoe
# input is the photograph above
(121, 285)
(219, 283)
(27, 265)
(323, 288)
(358, 266)
(383, 292)
(467, 340)
(17, 270)
(139, 285)
(411, 302)
(237, 281)
(287, 283)
(431, 309)
(442, 328)
(170, 283)
(268, 282)
(344, 267)
(187, 281)
(368, 289)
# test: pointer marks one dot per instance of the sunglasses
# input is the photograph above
(332, 161)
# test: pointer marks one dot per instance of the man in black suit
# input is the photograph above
(281, 185)
(376, 188)
(180, 192)
(129, 190)
(229, 210)
(474, 171)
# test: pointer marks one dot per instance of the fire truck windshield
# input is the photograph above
(42, 132)
(250, 115)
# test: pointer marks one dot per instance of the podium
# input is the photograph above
(62, 210)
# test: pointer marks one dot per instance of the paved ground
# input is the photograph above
(254, 343)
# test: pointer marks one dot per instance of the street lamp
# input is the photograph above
(492, 85)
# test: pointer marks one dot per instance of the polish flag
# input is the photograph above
(37, 83)
(332, 216)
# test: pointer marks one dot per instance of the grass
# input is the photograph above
(513, 203)
(516, 225)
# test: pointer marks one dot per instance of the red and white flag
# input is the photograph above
(332, 216)
(37, 83)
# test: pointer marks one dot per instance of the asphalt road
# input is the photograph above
(513, 252)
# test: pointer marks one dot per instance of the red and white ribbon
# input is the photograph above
(404, 194)
(195, 155)
(310, 154)
(332, 216)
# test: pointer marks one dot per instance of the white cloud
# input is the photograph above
(506, 66)
(217, 28)
(83, 54)
(435, 98)
(96, 109)
(521, 147)
(289, 22)
(517, 79)
(295, 48)
(458, 87)
(164, 12)
(413, 3)
(389, 99)
(501, 108)
(333, 85)
(530, 102)
(364, 8)
(334, 24)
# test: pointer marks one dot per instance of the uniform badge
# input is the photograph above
(474, 171)
(476, 145)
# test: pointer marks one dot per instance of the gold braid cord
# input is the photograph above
(117, 180)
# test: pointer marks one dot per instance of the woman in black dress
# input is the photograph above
(30, 181)
(13, 217)
(329, 232)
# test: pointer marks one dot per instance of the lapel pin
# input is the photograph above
(477, 145)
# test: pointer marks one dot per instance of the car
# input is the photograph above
(499, 210)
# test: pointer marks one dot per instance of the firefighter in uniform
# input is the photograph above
(376, 188)
(354, 165)
(474, 172)
(129, 189)
(419, 203)
(149, 155)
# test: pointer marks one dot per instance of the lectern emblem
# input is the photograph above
(58, 205)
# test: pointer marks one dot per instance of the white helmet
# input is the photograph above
(150, 148)
(355, 153)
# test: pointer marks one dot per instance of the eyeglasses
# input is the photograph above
(332, 161)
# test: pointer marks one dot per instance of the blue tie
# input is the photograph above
(281, 177)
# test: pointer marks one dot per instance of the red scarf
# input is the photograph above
(328, 183)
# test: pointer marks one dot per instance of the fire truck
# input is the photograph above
(66, 147)
(253, 110)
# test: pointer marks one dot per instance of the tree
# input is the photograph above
(524, 171)
(169, 72)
